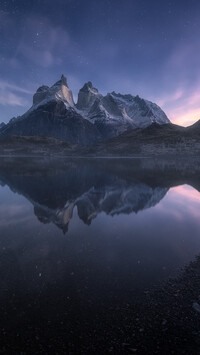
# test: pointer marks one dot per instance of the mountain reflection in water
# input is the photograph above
(130, 225)
(91, 187)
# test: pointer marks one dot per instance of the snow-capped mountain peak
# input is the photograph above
(58, 91)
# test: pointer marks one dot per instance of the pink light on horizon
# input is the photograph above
(184, 117)
(181, 201)
(182, 107)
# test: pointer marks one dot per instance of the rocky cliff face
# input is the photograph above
(94, 118)
(87, 96)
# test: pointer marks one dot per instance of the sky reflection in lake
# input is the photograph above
(91, 235)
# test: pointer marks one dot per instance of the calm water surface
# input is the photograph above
(86, 237)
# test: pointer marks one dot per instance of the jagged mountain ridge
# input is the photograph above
(117, 113)
(94, 118)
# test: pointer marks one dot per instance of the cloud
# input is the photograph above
(185, 117)
(4, 85)
(12, 99)
(181, 201)
(182, 106)
(173, 97)
(43, 43)
(9, 94)
(181, 75)
(36, 40)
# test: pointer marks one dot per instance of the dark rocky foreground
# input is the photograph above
(165, 321)
(169, 320)
(156, 140)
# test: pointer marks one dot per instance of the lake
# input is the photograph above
(85, 248)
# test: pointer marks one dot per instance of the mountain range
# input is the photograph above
(92, 119)
(113, 124)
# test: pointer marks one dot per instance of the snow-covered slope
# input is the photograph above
(116, 113)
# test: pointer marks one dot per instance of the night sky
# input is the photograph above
(145, 47)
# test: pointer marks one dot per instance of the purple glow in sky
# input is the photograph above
(150, 48)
